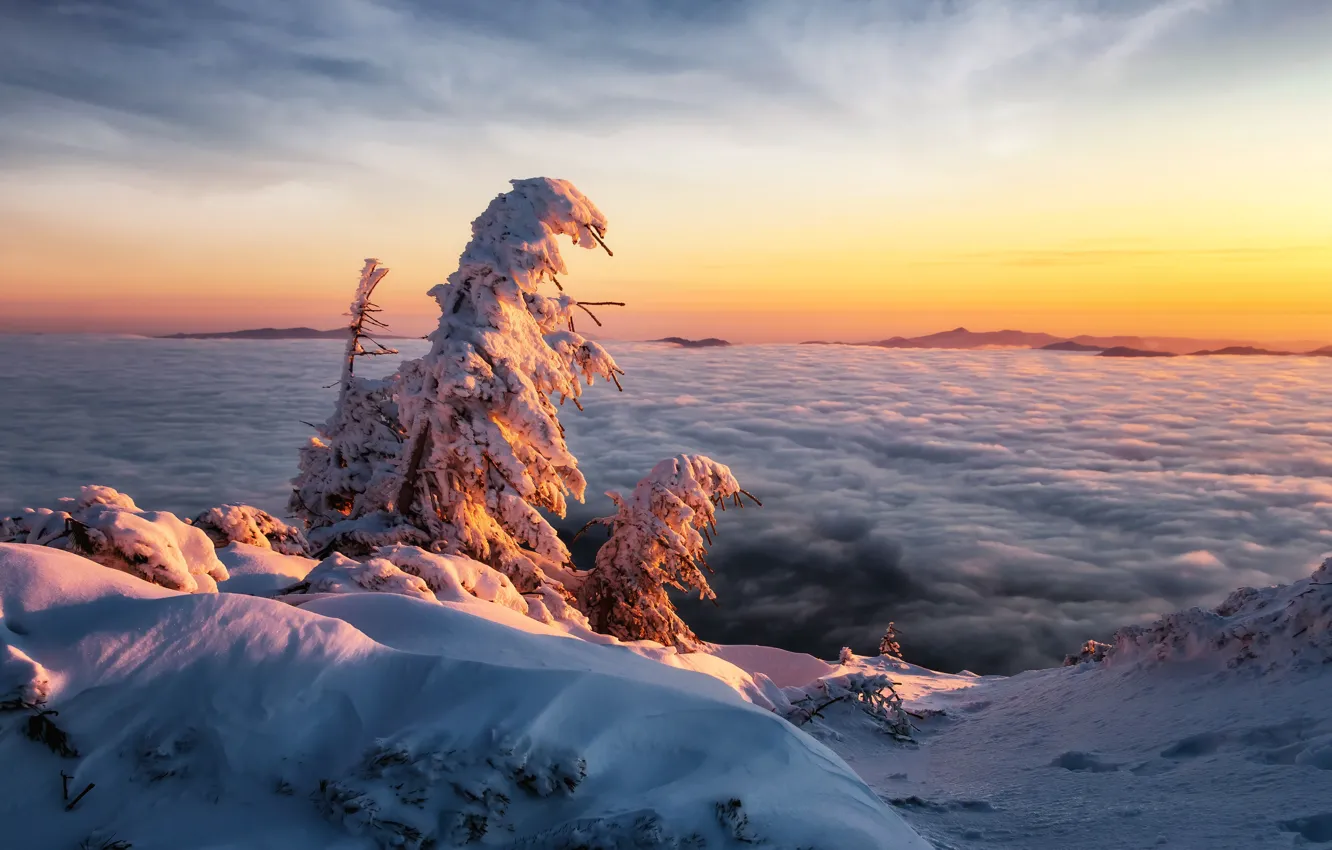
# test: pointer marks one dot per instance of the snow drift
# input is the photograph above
(380, 720)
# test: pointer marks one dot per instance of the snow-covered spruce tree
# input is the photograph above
(888, 645)
(486, 450)
(657, 540)
(346, 470)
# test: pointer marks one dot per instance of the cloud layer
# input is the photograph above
(1001, 507)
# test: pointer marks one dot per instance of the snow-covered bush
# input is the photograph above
(414, 794)
(1092, 651)
(658, 539)
(106, 526)
(347, 469)
(846, 656)
(226, 524)
(872, 693)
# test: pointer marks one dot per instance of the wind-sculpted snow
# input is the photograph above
(1001, 506)
(377, 720)
(1267, 628)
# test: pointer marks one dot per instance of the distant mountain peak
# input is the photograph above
(710, 342)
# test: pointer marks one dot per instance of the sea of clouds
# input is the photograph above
(1000, 506)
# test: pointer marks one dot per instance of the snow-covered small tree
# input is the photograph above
(846, 656)
(347, 468)
(888, 645)
(486, 451)
(658, 539)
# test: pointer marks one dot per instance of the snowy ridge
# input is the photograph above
(1287, 625)
(363, 720)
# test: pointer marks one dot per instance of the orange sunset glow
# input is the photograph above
(902, 177)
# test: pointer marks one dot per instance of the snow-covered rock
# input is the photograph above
(370, 720)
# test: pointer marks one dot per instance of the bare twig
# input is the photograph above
(579, 305)
(583, 530)
(82, 794)
(596, 234)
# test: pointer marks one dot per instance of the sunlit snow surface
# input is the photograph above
(1001, 506)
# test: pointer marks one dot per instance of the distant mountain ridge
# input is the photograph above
(961, 338)
(274, 333)
(1128, 351)
(709, 342)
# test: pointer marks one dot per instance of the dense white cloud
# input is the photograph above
(1001, 506)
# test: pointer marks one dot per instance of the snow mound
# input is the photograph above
(786, 669)
(1283, 626)
(107, 527)
(366, 720)
(227, 524)
(260, 572)
(456, 578)
(434, 577)
(339, 574)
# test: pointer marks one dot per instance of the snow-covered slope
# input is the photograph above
(367, 720)
(1209, 729)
